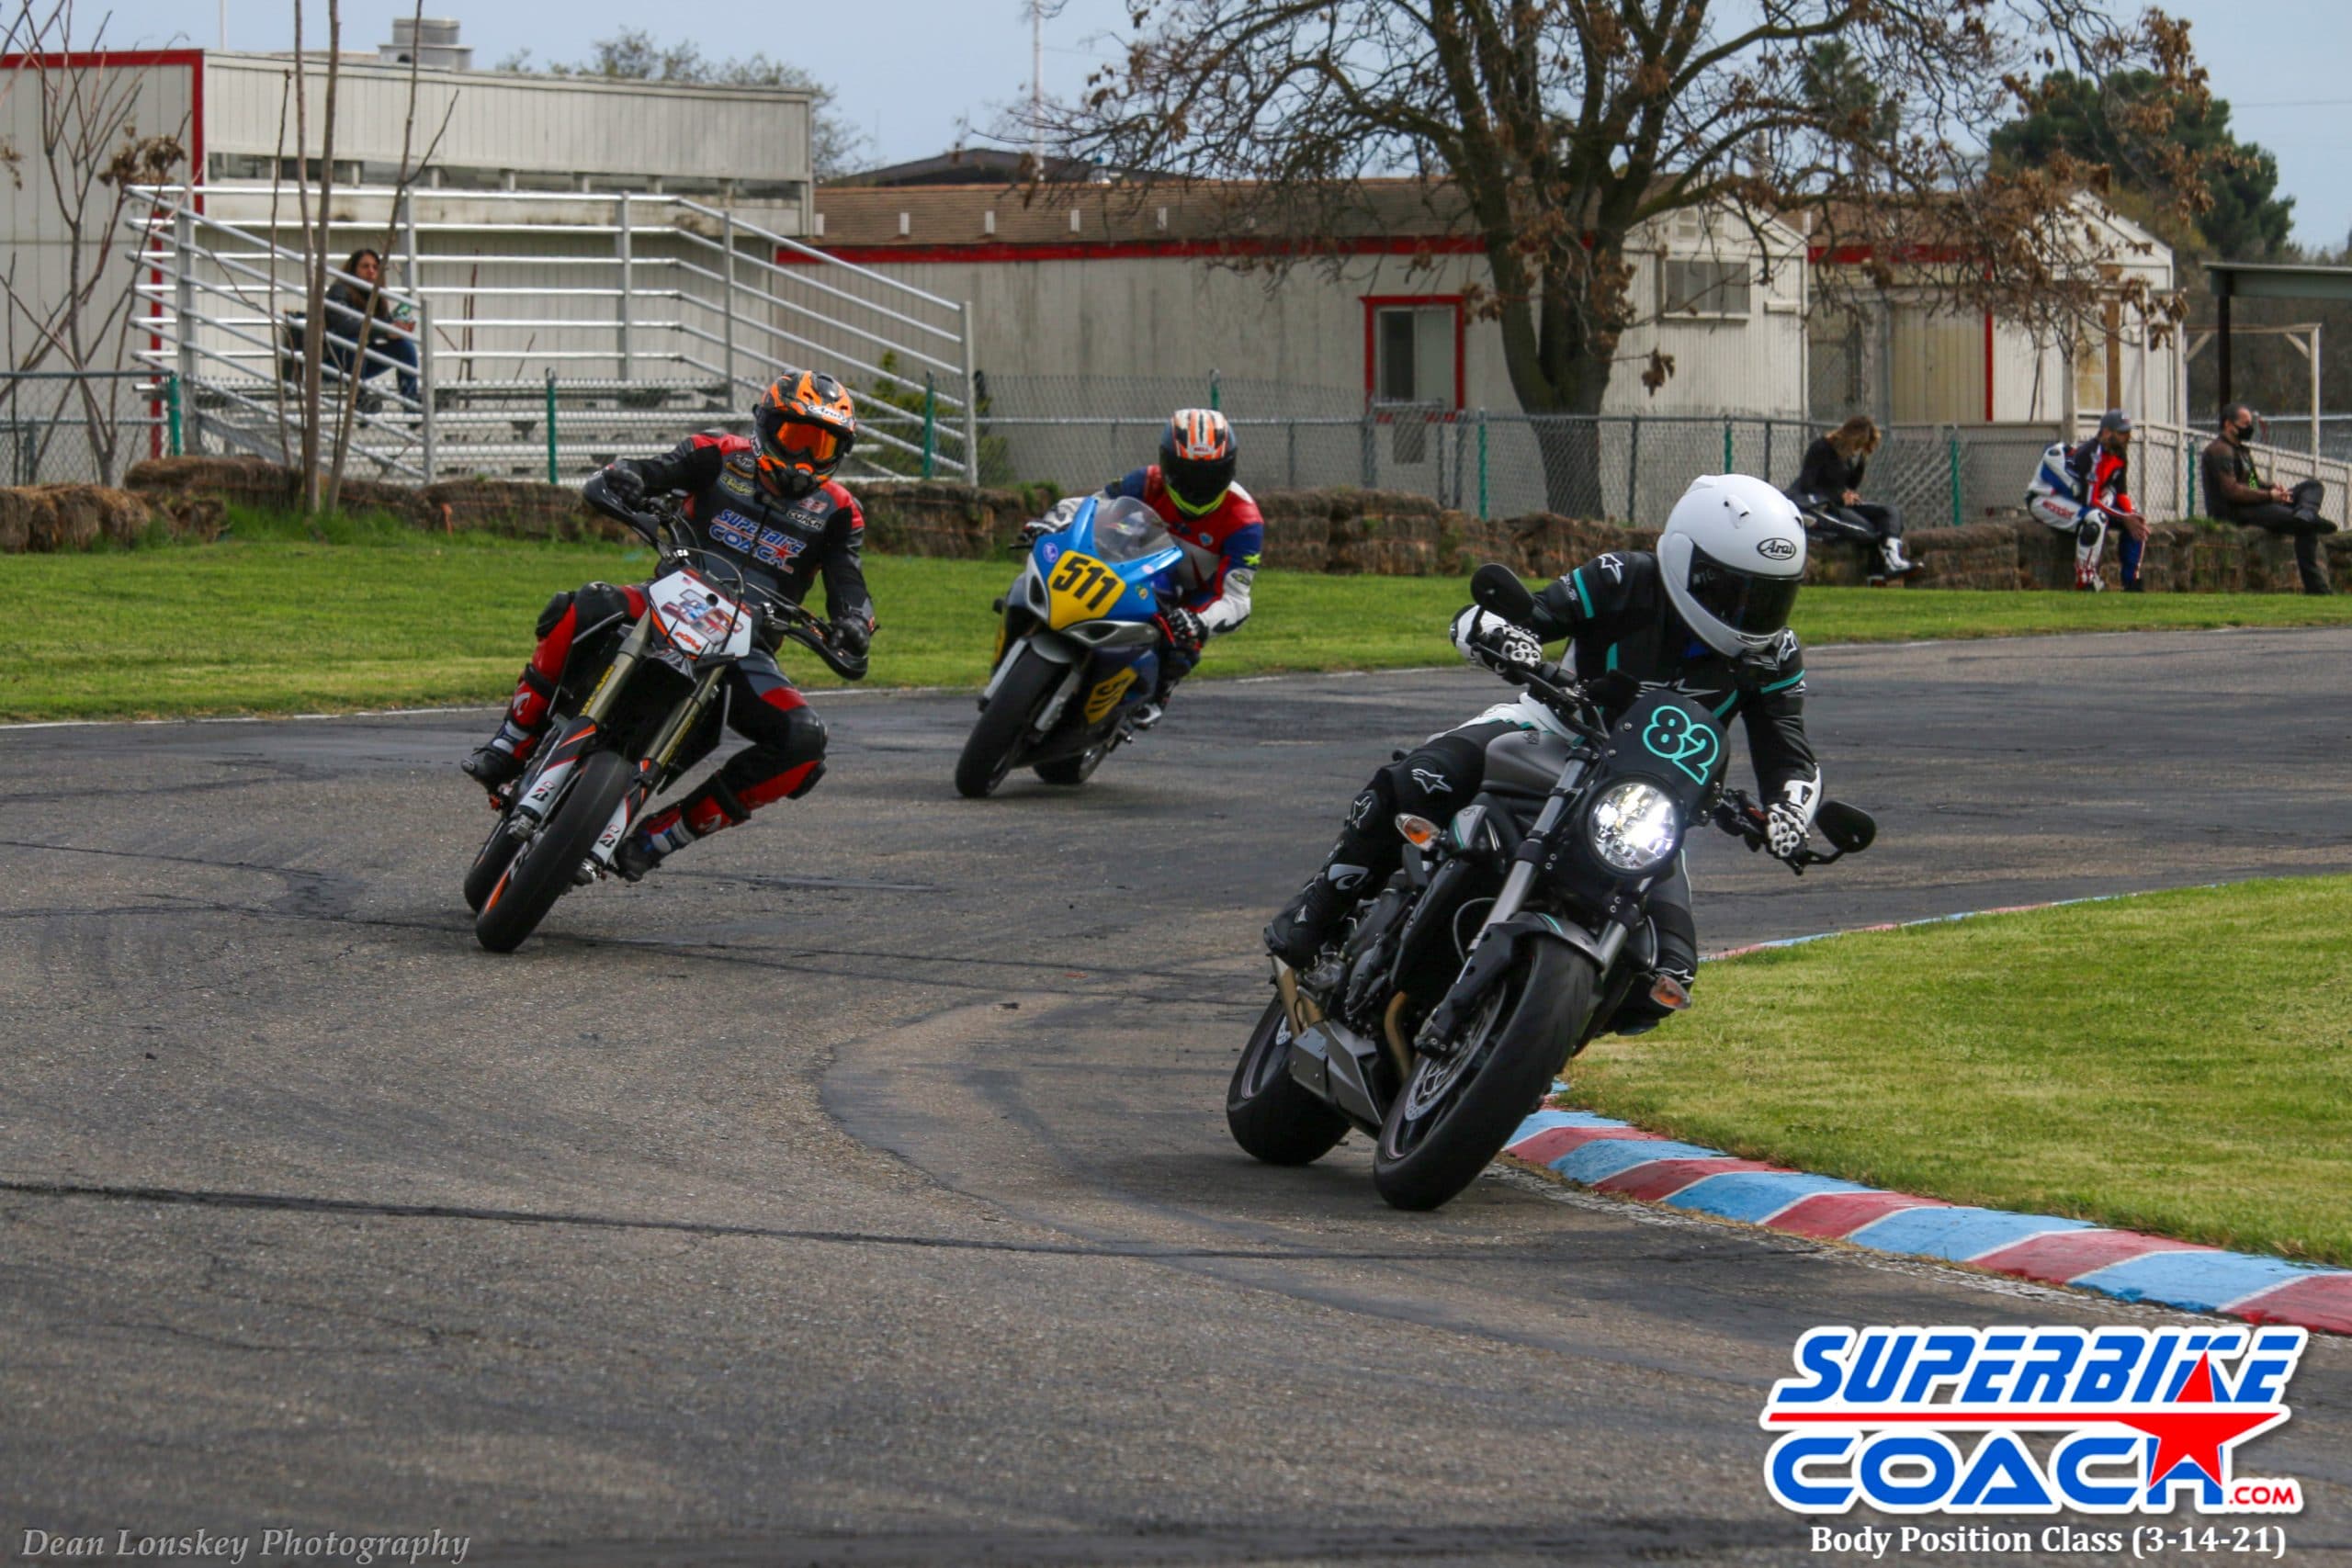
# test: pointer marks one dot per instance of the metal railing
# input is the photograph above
(2167, 480)
(547, 331)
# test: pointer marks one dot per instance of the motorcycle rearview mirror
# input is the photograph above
(1849, 828)
(1498, 589)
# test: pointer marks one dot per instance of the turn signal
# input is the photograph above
(1419, 831)
(1670, 994)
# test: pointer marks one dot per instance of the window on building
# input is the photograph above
(1689, 286)
(1413, 354)
(1414, 374)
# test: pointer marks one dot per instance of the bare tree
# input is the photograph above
(409, 166)
(90, 158)
(314, 237)
(1554, 132)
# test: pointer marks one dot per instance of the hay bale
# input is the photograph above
(16, 509)
(66, 519)
(1301, 540)
(524, 509)
(235, 480)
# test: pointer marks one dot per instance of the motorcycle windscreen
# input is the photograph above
(1126, 530)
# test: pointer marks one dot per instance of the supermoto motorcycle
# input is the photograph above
(650, 709)
(1508, 940)
(1077, 649)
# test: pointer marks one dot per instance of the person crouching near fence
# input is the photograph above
(2084, 491)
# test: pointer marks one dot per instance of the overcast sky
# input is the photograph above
(910, 71)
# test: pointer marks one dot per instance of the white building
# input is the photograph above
(1099, 282)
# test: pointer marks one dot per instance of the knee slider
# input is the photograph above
(2089, 531)
(804, 738)
(816, 772)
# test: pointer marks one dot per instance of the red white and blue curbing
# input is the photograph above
(1620, 1158)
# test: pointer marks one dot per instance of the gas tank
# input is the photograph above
(1526, 761)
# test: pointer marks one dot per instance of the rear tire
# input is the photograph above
(1271, 1117)
(1453, 1117)
(1004, 722)
(543, 873)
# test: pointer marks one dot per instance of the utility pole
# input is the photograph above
(1037, 85)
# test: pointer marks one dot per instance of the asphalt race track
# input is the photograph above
(857, 1189)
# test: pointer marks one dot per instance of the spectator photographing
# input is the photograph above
(352, 306)
(2084, 490)
(2234, 492)
(1828, 488)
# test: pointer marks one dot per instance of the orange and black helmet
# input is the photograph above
(1196, 460)
(804, 425)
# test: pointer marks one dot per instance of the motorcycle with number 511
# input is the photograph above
(1509, 939)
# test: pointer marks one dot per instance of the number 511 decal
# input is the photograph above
(1091, 586)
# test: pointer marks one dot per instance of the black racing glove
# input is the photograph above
(1183, 629)
(852, 635)
(624, 484)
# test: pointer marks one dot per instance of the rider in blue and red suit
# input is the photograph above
(1214, 519)
(768, 503)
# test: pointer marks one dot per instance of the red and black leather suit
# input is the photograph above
(781, 544)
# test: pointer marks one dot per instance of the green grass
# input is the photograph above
(286, 617)
(2178, 1063)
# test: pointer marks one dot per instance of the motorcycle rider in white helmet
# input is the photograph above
(1706, 613)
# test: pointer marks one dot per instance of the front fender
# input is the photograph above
(1498, 953)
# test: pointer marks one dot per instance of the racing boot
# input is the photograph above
(707, 811)
(1891, 557)
(1310, 921)
(652, 844)
(501, 760)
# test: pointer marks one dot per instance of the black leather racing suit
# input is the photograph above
(1615, 611)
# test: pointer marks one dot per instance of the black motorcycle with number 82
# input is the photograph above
(1508, 941)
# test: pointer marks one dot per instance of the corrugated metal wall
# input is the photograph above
(558, 125)
(33, 234)
(1183, 317)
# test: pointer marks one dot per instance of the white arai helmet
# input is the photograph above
(1732, 556)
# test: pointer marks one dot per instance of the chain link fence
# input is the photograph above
(1077, 432)
(75, 427)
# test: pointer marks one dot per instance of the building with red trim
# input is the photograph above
(1115, 280)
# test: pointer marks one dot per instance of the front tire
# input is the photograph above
(491, 861)
(1004, 724)
(543, 871)
(1454, 1115)
(1272, 1118)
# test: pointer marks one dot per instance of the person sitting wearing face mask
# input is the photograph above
(2235, 492)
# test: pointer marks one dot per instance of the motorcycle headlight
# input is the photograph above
(1633, 825)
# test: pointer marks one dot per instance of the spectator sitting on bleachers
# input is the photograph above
(351, 305)
(1828, 490)
(2235, 493)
